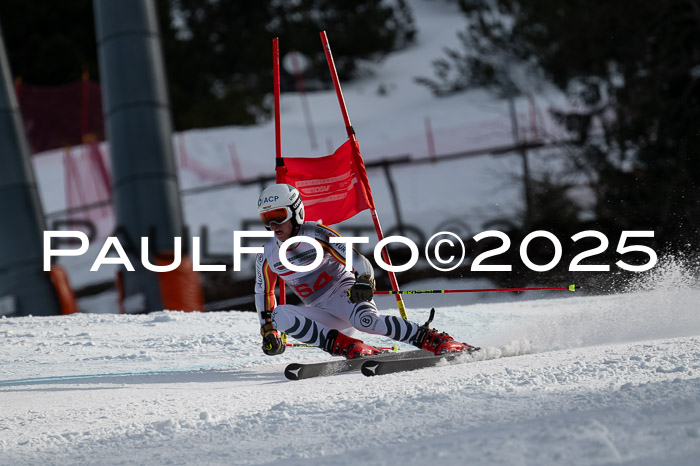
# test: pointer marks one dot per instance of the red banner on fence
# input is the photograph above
(333, 188)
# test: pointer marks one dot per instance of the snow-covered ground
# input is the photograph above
(574, 380)
(589, 379)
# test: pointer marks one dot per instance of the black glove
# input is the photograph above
(362, 290)
(272, 342)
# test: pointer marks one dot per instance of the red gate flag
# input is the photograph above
(334, 187)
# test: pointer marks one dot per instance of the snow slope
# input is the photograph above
(574, 380)
(588, 379)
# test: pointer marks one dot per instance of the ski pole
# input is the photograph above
(483, 290)
(304, 345)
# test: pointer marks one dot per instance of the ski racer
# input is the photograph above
(336, 302)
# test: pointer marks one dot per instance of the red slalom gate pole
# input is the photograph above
(336, 84)
(279, 161)
(353, 138)
(482, 290)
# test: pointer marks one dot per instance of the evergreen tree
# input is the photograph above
(228, 46)
(49, 42)
(630, 70)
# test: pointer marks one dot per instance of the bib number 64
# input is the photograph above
(305, 290)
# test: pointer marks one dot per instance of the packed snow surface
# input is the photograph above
(561, 378)
(567, 380)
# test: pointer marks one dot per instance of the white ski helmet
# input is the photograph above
(279, 203)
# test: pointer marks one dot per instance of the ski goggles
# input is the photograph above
(278, 216)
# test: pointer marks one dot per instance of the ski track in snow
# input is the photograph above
(178, 388)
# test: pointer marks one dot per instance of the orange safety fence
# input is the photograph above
(66, 296)
(180, 289)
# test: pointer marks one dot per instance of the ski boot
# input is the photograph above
(438, 343)
(340, 344)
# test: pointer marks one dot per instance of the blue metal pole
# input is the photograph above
(139, 128)
(24, 287)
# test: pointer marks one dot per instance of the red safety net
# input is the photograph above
(70, 117)
(60, 116)
(88, 187)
